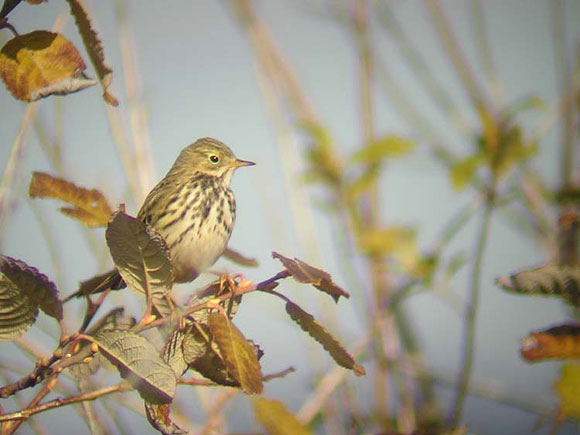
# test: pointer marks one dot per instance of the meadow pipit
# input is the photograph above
(192, 208)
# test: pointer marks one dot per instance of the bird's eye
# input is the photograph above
(214, 159)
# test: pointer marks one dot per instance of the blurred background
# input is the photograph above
(304, 88)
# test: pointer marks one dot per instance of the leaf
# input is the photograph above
(33, 285)
(212, 291)
(547, 280)
(41, 63)
(303, 272)
(558, 342)
(363, 183)
(567, 389)
(139, 363)
(88, 206)
(387, 146)
(173, 352)
(238, 354)
(320, 334)
(463, 171)
(158, 416)
(236, 257)
(17, 313)
(94, 48)
(324, 166)
(140, 254)
(7, 7)
(397, 241)
(276, 419)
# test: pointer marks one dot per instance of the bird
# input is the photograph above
(192, 208)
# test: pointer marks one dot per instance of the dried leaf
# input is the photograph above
(567, 389)
(276, 419)
(238, 258)
(158, 416)
(141, 256)
(41, 63)
(33, 285)
(560, 342)
(303, 272)
(387, 146)
(320, 334)
(89, 206)
(237, 352)
(94, 49)
(547, 280)
(139, 363)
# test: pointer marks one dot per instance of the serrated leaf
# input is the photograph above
(558, 342)
(17, 313)
(173, 352)
(139, 363)
(276, 419)
(140, 255)
(32, 285)
(463, 171)
(567, 389)
(307, 322)
(41, 63)
(89, 205)
(237, 352)
(547, 280)
(387, 146)
(94, 48)
(238, 258)
(303, 272)
(159, 418)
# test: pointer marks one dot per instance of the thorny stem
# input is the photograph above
(471, 310)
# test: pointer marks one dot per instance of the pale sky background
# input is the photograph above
(198, 77)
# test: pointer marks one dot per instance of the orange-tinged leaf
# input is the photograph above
(89, 206)
(276, 419)
(41, 63)
(560, 342)
(238, 353)
(567, 389)
(303, 272)
(320, 334)
(94, 49)
(158, 416)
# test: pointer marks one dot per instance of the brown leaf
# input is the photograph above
(89, 206)
(238, 258)
(238, 353)
(41, 63)
(94, 49)
(559, 342)
(303, 272)
(158, 416)
(320, 334)
(275, 418)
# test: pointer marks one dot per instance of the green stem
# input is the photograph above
(471, 310)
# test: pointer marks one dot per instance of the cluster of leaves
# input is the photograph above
(199, 336)
(42, 63)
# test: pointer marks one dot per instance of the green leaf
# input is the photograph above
(17, 313)
(388, 146)
(303, 272)
(141, 256)
(237, 352)
(463, 171)
(547, 280)
(139, 363)
(276, 419)
(320, 334)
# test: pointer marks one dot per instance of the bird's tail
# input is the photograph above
(97, 284)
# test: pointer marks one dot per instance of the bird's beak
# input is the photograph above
(239, 163)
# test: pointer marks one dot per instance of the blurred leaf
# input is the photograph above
(490, 134)
(385, 147)
(324, 166)
(567, 389)
(141, 256)
(32, 285)
(41, 63)
(363, 183)
(139, 363)
(456, 262)
(159, 418)
(547, 280)
(320, 334)
(559, 342)
(89, 206)
(397, 241)
(94, 48)
(463, 171)
(7, 7)
(276, 419)
(238, 354)
(303, 272)
(523, 104)
(514, 150)
(238, 258)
